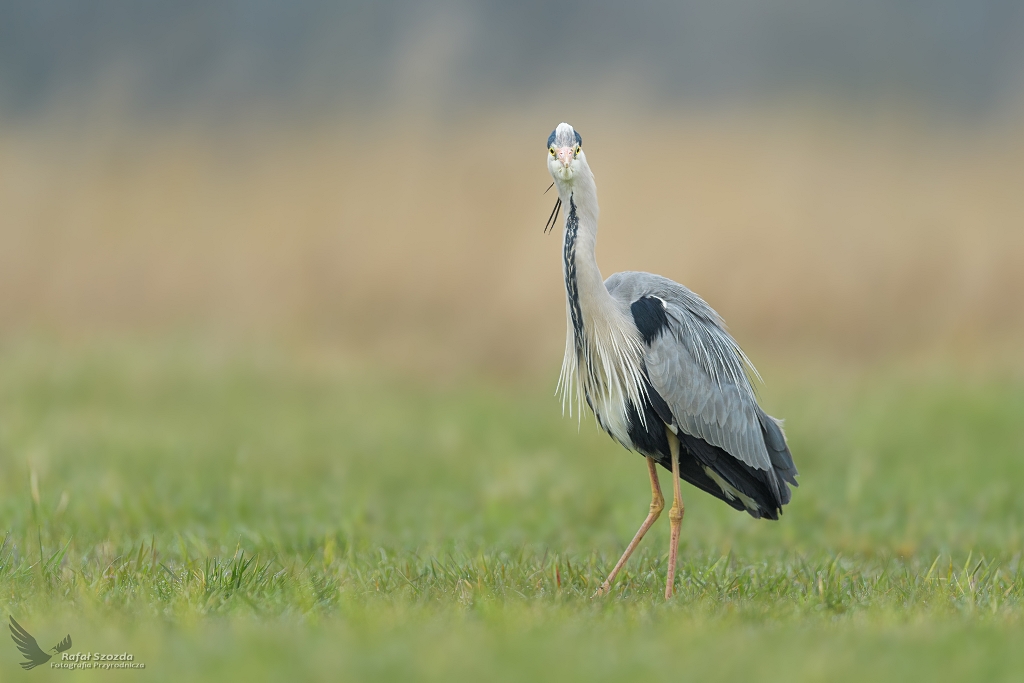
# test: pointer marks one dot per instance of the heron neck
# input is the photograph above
(580, 242)
(603, 354)
(587, 298)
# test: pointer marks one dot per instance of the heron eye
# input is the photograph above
(552, 150)
(577, 151)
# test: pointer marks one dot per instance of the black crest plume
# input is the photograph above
(553, 218)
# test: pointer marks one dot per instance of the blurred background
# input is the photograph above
(838, 178)
(273, 285)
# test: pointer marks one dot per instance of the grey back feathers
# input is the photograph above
(701, 373)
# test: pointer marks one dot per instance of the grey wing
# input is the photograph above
(717, 410)
(698, 369)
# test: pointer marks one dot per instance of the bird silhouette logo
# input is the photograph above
(34, 656)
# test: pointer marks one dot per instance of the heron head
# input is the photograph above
(565, 152)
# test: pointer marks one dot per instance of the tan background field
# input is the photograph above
(422, 245)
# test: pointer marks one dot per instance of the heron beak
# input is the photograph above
(565, 155)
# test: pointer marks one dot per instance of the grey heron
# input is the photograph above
(661, 374)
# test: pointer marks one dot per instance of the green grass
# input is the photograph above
(267, 514)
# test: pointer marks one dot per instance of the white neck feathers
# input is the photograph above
(603, 361)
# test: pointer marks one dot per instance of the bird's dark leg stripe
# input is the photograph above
(572, 227)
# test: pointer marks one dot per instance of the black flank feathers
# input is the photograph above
(650, 317)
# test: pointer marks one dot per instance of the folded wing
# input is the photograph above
(699, 370)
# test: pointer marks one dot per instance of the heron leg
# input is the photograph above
(675, 515)
(657, 505)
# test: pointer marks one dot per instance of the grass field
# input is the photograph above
(269, 512)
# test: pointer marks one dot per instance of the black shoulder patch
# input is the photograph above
(650, 317)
